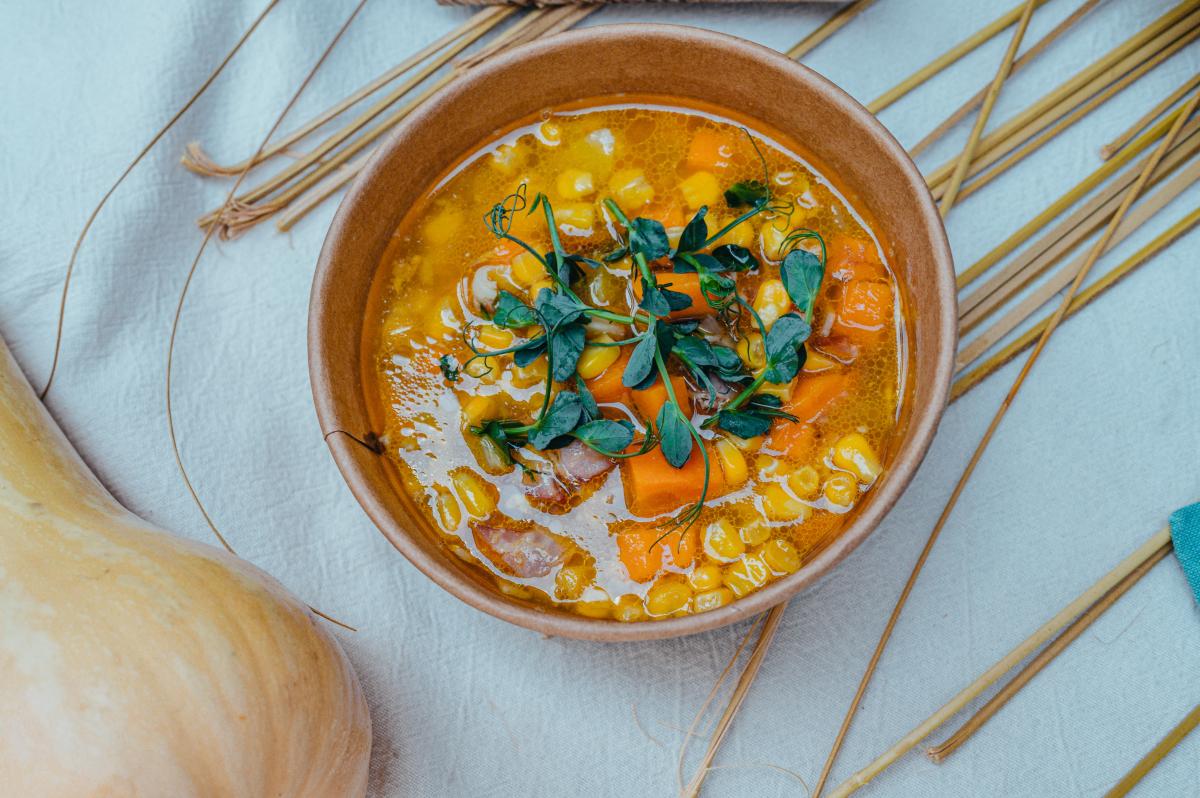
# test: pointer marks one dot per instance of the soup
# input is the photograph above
(636, 359)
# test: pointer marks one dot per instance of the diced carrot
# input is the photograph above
(792, 439)
(607, 387)
(641, 551)
(650, 400)
(671, 215)
(814, 393)
(865, 308)
(684, 284)
(654, 487)
(850, 258)
(710, 151)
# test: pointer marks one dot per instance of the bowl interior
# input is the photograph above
(750, 81)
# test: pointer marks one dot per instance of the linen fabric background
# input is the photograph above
(1098, 450)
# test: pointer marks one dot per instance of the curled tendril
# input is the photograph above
(500, 218)
(791, 242)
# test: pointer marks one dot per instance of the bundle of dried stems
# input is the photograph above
(1111, 207)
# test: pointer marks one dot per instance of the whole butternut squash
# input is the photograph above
(137, 664)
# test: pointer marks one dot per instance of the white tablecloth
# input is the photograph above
(1100, 446)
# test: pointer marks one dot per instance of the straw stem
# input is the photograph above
(1109, 149)
(1148, 550)
(975, 100)
(1155, 755)
(828, 28)
(989, 102)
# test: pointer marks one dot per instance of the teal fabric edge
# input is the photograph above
(1185, 534)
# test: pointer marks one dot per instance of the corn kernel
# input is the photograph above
(721, 541)
(477, 409)
(595, 360)
(571, 581)
(733, 462)
(780, 556)
(804, 482)
(575, 218)
(841, 489)
(747, 444)
(854, 454)
(741, 234)
(755, 533)
(668, 597)
(750, 350)
(526, 269)
(782, 390)
(700, 189)
(769, 467)
(537, 287)
(516, 591)
(772, 236)
(772, 301)
(575, 184)
(779, 505)
(529, 375)
(601, 608)
(505, 158)
(475, 495)
(712, 599)
(705, 577)
(449, 514)
(442, 227)
(816, 362)
(746, 575)
(550, 133)
(629, 609)
(490, 337)
(631, 188)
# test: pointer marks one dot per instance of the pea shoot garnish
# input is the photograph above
(553, 325)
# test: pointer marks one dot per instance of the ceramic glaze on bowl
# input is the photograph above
(679, 67)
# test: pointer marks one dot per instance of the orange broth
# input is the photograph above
(569, 526)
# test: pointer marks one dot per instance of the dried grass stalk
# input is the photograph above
(196, 160)
(968, 381)
(968, 154)
(828, 28)
(1148, 550)
(1066, 113)
(975, 100)
(951, 56)
(1155, 755)
(1056, 318)
(1108, 150)
(1067, 234)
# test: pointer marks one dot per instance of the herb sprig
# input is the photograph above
(554, 327)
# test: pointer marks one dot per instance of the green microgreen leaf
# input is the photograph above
(606, 436)
(802, 272)
(529, 351)
(648, 238)
(695, 233)
(675, 435)
(511, 312)
(562, 417)
(566, 345)
(587, 401)
(743, 424)
(747, 193)
(734, 258)
(784, 348)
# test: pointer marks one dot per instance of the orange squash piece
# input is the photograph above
(850, 258)
(865, 308)
(649, 401)
(654, 487)
(641, 551)
(684, 284)
(607, 386)
(813, 394)
(792, 439)
(710, 151)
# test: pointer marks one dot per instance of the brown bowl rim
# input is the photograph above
(923, 422)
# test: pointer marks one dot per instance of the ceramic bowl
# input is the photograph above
(750, 81)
